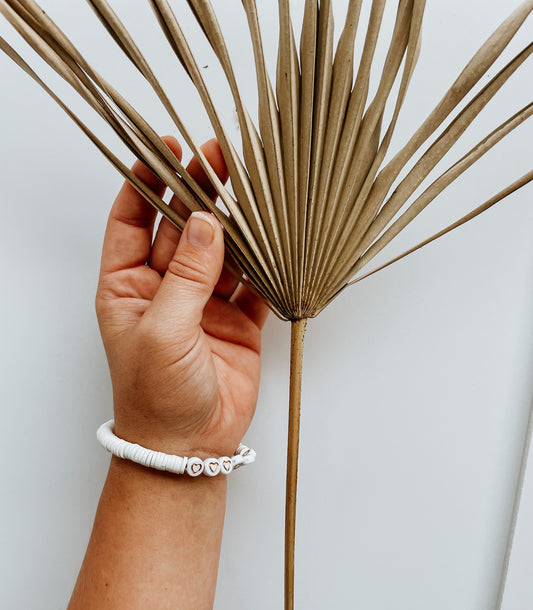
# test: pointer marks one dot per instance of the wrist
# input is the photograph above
(174, 445)
(135, 479)
(163, 437)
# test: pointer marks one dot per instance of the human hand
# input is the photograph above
(182, 339)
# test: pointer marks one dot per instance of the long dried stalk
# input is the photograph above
(295, 395)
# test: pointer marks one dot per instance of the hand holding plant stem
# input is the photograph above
(182, 338)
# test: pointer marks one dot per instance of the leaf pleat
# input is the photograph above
(172, 215)
(337, 206)
(133, 138)
(308, 55)
(439, 148)
(482, 60)
(120, 34)
(518, 184)
(356, 106)
(288, 96)
(246, 213)
(438, 185)
(365, 159)
(112, 22)
(67, 53)
(341, 86)
(268, 118)
(137, 135)
(252, 146)
(373, 217)
(521, 182)
(323, 77)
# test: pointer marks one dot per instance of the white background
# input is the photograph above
(417, 381)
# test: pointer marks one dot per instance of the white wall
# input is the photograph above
(417, 382)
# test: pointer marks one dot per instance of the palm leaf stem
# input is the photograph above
(295, 393)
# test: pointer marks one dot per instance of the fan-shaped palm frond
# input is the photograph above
(314, 196)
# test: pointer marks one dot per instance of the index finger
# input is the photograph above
(128, 235)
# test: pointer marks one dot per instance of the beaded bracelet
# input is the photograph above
(192, 466)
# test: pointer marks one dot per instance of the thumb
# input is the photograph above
(192, 274)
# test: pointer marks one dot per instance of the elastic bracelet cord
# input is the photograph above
(193, 466)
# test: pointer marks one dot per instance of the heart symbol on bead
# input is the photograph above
(196, 468)
(226, 464)
(214, 466)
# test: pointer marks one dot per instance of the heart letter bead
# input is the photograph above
(195, 466)
(211, 467)
(226, 465)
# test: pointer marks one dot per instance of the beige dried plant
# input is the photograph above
(313, 199)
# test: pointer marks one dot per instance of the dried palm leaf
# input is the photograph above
(314, 200)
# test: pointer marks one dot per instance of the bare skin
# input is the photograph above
(183, 341)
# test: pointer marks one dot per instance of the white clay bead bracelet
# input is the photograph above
(193, 466)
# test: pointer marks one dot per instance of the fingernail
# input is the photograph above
(200, 230)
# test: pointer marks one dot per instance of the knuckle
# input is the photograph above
(189, 268)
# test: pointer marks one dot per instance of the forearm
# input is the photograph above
(155, 542)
